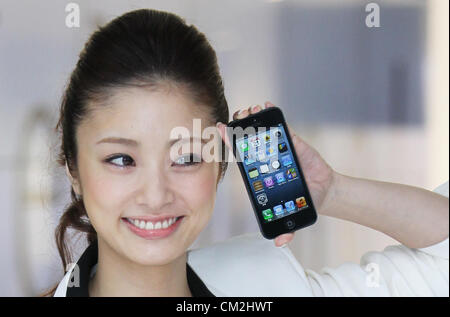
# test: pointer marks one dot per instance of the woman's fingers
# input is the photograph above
(235, 114)
(255, 109)
(268, 104)
(283, 239)
(240, 114)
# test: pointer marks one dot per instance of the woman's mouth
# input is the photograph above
(148, 225)
(153, 230)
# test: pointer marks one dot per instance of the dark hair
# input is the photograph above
(140, 48)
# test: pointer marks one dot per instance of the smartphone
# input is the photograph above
(272, 173)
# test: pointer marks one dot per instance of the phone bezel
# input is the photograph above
(271, 117)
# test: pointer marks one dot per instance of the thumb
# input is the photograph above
(295, 138)
(299, 143)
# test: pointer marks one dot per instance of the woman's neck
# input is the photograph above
(117, 276)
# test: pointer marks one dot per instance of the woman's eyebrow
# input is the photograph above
(134, 143)
(116, 140)
(190, 139)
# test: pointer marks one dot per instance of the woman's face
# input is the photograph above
(130, 187)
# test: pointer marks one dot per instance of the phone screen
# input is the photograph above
(273, 175)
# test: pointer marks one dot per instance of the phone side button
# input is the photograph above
(290, 224)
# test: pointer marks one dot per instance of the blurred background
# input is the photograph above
(374, 101)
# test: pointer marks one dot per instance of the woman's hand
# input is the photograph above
(318, 174)
(415, 217)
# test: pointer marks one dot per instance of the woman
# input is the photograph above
(141, 205)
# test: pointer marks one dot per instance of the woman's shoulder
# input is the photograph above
(249, 265)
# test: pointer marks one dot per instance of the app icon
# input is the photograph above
(270, 150)
(262, 199)
(275, 165)
(289, 205)
(291, 173)
(255, 141)
(280, 177)
(244, 146)
(276, 132)
(267, 214)
(286, 160)
(261, 157)
(264, 169)
(253, 172)
(248, 160)
(267, 137)
(282, 147)
(268, 181)
(257, 185)
(301, 202)
(278, 209)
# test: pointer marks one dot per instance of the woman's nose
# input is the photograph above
(154, 191)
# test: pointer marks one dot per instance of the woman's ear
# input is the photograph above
(73, 181)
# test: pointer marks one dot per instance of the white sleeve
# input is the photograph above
(395, 271)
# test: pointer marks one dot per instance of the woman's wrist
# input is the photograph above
(329, 206)
(349, 198)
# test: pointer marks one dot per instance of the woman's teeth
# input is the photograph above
(147, 225)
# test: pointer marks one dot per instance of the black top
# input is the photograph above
(89, 259)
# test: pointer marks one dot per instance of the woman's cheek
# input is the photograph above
(104, 193)
(199, 190)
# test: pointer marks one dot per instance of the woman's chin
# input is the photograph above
(152, 252)
(154, 257)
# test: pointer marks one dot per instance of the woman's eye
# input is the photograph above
(188, 160)
(120, 160)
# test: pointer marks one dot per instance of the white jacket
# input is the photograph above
(239, 266)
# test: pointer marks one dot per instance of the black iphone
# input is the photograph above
(272, 174)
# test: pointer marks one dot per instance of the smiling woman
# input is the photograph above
(142, 206)
(137, 78)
